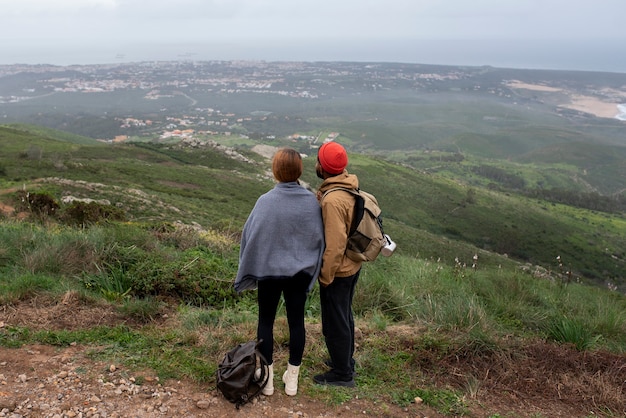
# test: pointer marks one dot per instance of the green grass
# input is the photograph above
(126, 261)
(24, 286)
(573, 332)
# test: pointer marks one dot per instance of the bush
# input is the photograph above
(81, 213)
(197, 276)
(39, 204)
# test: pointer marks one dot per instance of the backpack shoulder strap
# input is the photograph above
(359, 206)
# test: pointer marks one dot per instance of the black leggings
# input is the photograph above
(294, 290)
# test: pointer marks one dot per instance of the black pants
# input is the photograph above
(294, 290)
(338, 322)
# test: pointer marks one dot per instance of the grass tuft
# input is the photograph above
(575, 332)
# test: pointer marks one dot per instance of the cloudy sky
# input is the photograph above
(526, 33)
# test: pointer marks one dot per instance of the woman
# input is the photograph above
(281, 252)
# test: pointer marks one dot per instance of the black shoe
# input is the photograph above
(329, 363)
(331, 378)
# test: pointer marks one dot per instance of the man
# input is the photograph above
(339, 274)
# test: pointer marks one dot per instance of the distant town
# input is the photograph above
(160, 82)
(181, 99)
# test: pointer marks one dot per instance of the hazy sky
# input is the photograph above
(458, 31)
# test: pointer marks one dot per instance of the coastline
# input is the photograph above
(588, 104)
(597, 107)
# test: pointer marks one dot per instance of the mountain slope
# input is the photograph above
(428, 215)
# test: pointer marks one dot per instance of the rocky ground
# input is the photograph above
(44, 381)
(66, 382)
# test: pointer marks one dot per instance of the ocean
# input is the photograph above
(622, 112)
(599, 56)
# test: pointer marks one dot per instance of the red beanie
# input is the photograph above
(333, 157)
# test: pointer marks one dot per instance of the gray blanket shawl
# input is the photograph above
(284, 235)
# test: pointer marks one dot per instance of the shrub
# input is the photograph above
(37, 203)
(81, 213)
(197, 276)
(113, 282)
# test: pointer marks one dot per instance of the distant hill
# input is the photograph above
(47, 133)
(602, 167)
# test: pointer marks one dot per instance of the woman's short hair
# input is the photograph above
(287, 165)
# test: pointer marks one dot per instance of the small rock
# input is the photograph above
(7, 404)
(203, 404)
(358, 334)
(418, 400)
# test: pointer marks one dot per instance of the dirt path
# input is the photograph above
(66, 382)
(539, 379)
(46, 381)
(6, 209)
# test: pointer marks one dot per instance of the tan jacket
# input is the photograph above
(337, 213)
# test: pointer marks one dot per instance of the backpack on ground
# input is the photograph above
(235, 373)
(366, 238)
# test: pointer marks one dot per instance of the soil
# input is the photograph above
(538, 380)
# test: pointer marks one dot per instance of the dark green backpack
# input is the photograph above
(235, 373)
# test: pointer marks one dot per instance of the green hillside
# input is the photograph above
(603, 167)
(421, 209)
(47, 133)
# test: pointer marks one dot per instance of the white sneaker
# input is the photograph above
(290, 378)
(268, 390)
